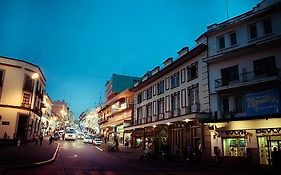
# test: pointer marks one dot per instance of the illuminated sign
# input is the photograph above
(263, 103)
(269, 131)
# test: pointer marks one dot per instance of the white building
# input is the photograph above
(170, 102)
(244, 61)
(21, 93)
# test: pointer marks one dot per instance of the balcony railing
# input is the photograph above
(192, 108)
(247, 77)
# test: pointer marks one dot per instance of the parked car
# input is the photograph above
(56, 136)
(97, 141)
(88, 139)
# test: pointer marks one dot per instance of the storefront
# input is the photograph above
(267, 140)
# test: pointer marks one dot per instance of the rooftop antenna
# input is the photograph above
(226, 4)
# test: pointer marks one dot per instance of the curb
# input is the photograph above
(33, 164)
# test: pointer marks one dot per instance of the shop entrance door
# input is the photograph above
(266, 146)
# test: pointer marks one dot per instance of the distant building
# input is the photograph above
(117, 84)
(47, 120)
(115, 116)
(89, 120)
(21, 94)
(244, 61)
(60, 110)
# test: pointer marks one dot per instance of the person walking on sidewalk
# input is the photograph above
(36, 138)
(41, 139)
(50, 140)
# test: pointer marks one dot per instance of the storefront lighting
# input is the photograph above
(187, 120)
(168, 123)
(154, 126)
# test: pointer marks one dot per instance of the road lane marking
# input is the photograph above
(98, 148)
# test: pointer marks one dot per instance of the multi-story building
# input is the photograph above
(115, 115)
(47, 121)
(90, 120)
(21, 94)
(60, 110)
(169, 103)
(244, 61)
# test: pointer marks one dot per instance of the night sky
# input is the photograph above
(80, 44)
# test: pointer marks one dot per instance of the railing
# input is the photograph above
(247, 77)
(28, 87)
(192, 108)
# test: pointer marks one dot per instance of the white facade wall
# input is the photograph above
(202, 82)
(12, 93)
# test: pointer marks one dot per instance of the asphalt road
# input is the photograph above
(77, 158)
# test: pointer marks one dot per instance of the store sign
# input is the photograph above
(263, 103)
(232, 133)
(268, 131)
(5, 123)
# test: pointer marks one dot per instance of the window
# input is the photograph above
(225, 105)
(26, 100)
(183, 75)
(154, 108)
(143, 95)
(149, 93)
(160, 108)
(221, 42)
(160, 87)
(28, 83)
(192, 71)
(253, 31)
(167, 83)
(149, 112)
(175, 101)
(167, 103)
(175, 80)
(193, 99)
(267, 26)
(265, 66)
(139, 98)
(233, 38)
(1, 77)
(139, 115)
(229, 74)
(183, 98)
(154, 90)
(234, 147)
(239, 104)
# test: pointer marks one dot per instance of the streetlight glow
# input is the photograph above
(35, 76)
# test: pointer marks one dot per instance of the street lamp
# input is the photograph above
(35, 77)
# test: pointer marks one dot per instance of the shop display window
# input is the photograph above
(234, 147)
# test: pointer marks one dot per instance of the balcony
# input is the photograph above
(102, 121)
(26, 105)
(28, 87)
(192, 108)
(248, 79)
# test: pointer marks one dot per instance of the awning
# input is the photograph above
(190, 117)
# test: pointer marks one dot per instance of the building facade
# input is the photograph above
(115, 116)
(169, 103)
(21, 94)
(244, 61)
(47, 119)
(60, 112)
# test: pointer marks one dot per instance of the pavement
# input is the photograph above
(28, 154)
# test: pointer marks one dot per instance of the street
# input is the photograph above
(77, 158)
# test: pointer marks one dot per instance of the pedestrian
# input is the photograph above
(274, 158)
(50, 140)
(126, 143)
(41, 139)
(217, 154)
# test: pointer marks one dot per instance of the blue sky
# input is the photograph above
(80, 44)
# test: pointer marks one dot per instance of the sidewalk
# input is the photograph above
(27, 155)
